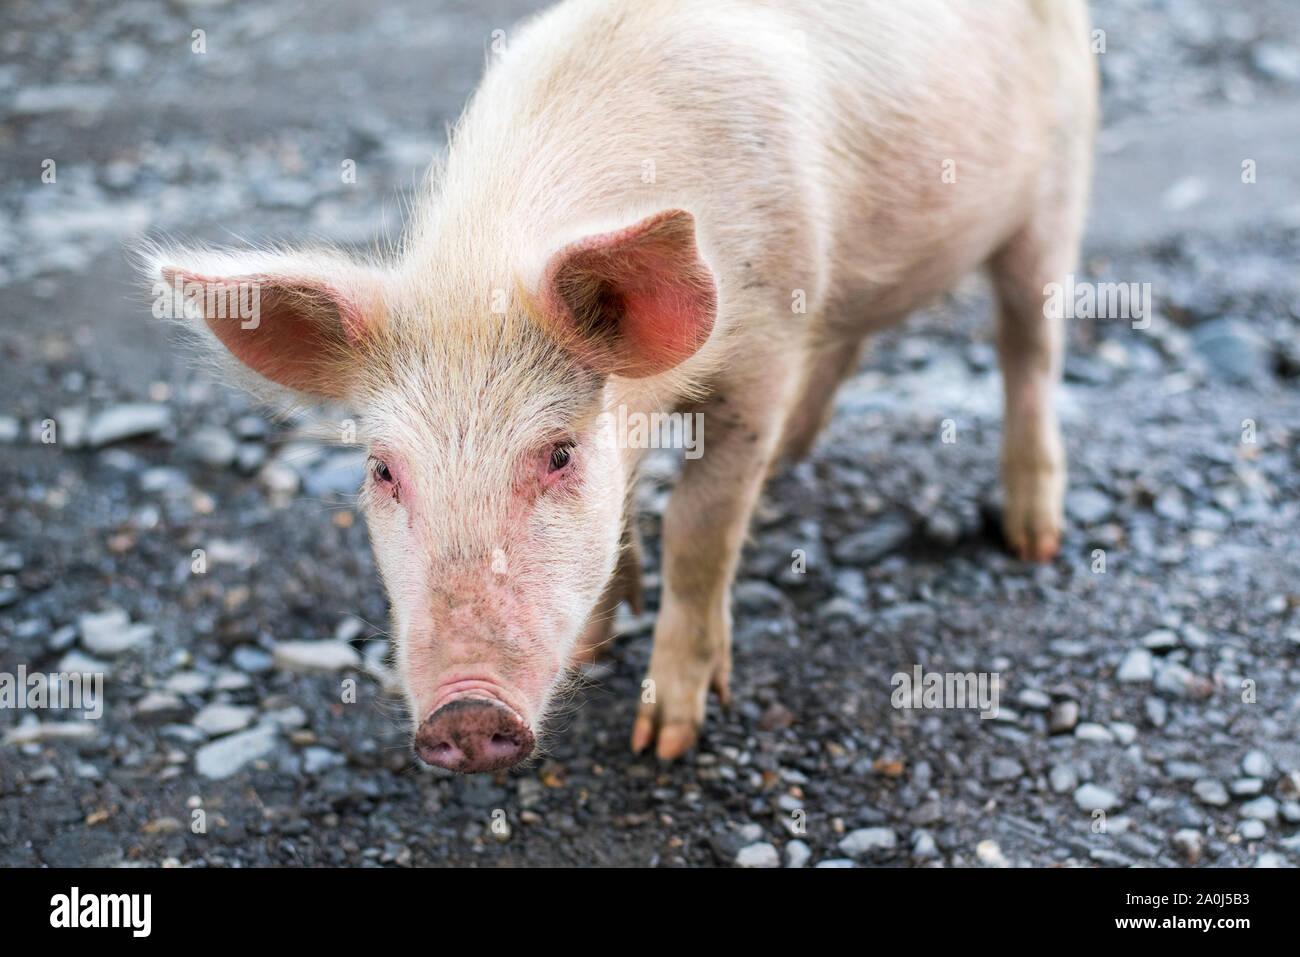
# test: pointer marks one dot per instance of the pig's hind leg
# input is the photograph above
(1031, 346)
(704, 526)
(827, 367)
(624, 586)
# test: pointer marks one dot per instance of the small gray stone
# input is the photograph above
(1088, 506)
(1252, 829)
(1034, 700)
(1184, 770)
(1189, 844)
(218, 719)
(111, 633)
(864, 839)
(835, 863)
(315, 657)
(127, 421)
(1162, 639)
(225, 757)
(761, 854)
(1136, 666)
(1246, 787)
(1062, 778)
(213, 446)
(866, 547)
(250, 659)
(797, 854)
(1090, 731)
(1211, 792)
(1065, 715)
(1257, 764)
(1234, 350)
(159, 706)
(1091, 797)
(1005, 769)
(1260, 809)
(923, 845)
(316, 760)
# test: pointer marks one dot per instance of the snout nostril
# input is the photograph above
(472, 735)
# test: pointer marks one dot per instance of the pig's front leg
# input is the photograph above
(703, 529)
(624, 586)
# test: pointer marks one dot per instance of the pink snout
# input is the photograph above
(470, 735)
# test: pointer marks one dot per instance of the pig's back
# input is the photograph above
(808, 139)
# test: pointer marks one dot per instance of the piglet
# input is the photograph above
(649, 206)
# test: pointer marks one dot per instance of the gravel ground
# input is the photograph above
(1149, 679)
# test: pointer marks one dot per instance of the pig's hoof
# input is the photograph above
(673, 723)
(1032, 519)
(1037, 548)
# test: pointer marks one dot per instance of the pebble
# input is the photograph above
(74, 662)
(1136, 666)
(924, 846)
(1260, 809)
(1065, 715)
(1234, 350)
(1252, 830)
(859, 842)
(218, 719)
(1088, 506)
(44, 731)
(111, 633)
(835, 863)
(1034, 700)
(761, 854)
(1062, 778)
(1189, 843)
(314, 657)
(1246, 787)
(213, 446)
(884, 535)
(990, 855)
(188, 682)
(1162, 639)
(159, 706)
(127, 421)
(253, 660)
(1090, 731)
(227, 756)
(316, 760)
(1257, 764)
(1091, 797)
(1005, 769)
(1184, 770)
(1211, 792)
(797, 854)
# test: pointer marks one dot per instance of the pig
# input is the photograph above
(650, 206)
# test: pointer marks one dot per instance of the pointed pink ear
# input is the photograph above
(299, 332)
(635, 302)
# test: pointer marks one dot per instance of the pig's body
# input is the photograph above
(740, 191)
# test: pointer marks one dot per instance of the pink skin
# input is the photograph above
(475, 631)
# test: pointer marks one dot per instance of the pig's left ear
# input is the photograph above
(634, 302)
(298, 320)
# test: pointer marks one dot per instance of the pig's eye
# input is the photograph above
(561, 452)
(381, 472)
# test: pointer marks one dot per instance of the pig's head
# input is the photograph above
(495, 486)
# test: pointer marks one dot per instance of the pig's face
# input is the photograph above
(494, 495)
(495, 487)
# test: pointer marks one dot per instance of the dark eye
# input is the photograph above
(381, 471)
(561, 452)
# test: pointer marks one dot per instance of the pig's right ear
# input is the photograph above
(634, 302)
(296, 320)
